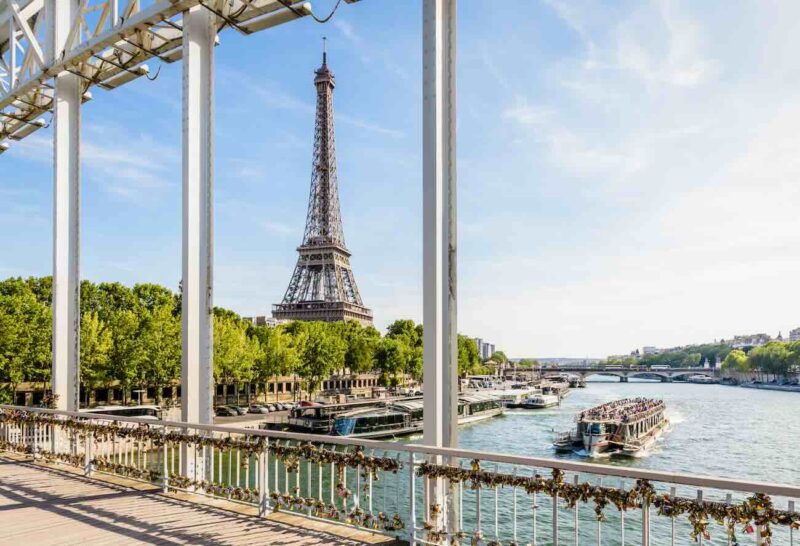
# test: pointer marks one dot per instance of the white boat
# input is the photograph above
(701, 379)
(540, 401)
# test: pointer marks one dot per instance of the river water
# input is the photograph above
(733, 432)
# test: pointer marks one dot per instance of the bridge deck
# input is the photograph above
(44, 505)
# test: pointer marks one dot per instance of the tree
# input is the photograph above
(469, 360)
(773, 358)
(125, 355)
(736, 361)
(279, 355)
(362, 343)
(24, 336)
(322, 354)
(499, 357)
(528, 363)
(392, 359)
(234, 355)
(160, 351)
(96, 342)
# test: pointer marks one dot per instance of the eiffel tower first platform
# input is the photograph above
(322, 286)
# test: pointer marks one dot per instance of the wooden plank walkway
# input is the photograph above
(42, 505)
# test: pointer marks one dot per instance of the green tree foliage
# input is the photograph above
(322, 353)
(469, 360)
(159, 352)
(736, 361)
(95, 349)
(131, 338)
(278, 355)
(773, 358)
(392, 359)
(25, 338)
(528, 363)
(499, 357)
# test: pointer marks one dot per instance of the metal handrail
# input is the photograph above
(694, 480)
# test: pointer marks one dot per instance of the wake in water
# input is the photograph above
(675, 417)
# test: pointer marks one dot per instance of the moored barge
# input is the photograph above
(623, 427)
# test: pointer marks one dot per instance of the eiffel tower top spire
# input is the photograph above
(324, 218)
(322, 286)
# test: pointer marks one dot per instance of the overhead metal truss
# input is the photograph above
(108, 44)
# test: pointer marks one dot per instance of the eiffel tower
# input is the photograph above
(322, 286)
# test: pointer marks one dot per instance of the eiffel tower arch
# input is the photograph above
(322, 286)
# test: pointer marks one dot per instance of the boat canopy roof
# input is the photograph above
(477, 397)
(369, 412)
(627, 410)
(409, 405)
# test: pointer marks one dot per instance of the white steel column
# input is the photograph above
(439, 236)
(66, 214)
(197, 365)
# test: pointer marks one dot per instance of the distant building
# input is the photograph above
(754, 340)
(648, 350)
(485, 349)
(794, 335)
(262, 320)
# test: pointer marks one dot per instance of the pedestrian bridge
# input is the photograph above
(66, 477)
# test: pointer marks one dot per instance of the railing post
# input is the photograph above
(555, 519)
(165, 467)
(645, 523)
(263, 486)
(412, 501)
(87, 454)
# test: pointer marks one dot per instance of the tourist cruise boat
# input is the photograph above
(623, 427)
(539, 401)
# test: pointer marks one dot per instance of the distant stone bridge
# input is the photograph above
(666, 375)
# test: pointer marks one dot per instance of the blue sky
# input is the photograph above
(627, 170)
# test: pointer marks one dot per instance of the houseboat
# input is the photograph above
(623, 427)
(319, 418)
(558, 388)
(539, 401)
(474, 407)
(404, 417)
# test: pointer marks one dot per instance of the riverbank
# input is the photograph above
(771, 387)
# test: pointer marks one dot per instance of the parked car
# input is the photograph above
(272, 407)
(241, 410)
(258, 408)
(225, 411)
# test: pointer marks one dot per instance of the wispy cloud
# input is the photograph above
(272, 95)
(133, 166)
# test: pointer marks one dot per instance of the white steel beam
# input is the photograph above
(439, 237)
(66, 219)
(197, 365)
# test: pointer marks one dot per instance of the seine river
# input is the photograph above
(716, 430)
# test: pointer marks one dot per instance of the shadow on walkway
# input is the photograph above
(141, 516)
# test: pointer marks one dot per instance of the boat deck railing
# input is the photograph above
(390, 488)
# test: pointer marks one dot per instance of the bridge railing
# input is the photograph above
(385, 487)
